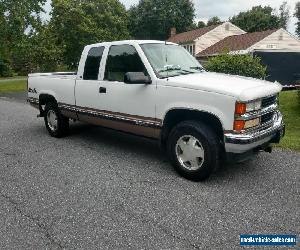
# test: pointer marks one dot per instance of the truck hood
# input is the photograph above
(242, 88)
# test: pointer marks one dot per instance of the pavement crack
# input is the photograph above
(44, 229)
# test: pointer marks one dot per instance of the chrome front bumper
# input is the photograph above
(241, 143)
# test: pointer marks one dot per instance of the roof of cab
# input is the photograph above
(129, 42)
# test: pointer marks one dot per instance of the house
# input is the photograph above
(270, 40)
(278, 49)
(195, 41)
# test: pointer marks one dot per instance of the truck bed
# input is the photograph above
(69, 75)
(57, 84)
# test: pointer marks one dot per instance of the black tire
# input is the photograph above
(208, 142)
(62, 127)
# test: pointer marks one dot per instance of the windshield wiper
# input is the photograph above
(188, 71)
(169, 68)
(179, 70)
(197, 68)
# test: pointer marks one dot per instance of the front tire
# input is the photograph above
(56, 124)
(194, 150)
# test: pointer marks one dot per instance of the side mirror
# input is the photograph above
(137, 78)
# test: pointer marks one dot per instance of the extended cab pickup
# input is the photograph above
(158, 90)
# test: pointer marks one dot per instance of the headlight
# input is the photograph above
(243, 108)
(253, 106)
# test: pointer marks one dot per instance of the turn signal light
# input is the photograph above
(240, 108)
(239, 125)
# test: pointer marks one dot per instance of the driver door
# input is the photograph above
(133, 105)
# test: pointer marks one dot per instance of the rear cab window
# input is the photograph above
(92, 63)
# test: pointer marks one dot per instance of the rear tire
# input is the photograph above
(56, 124)
(194, 150)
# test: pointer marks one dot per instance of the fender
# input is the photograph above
(224, 119)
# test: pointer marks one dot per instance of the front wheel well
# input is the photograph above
(174, 117)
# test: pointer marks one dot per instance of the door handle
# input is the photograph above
(102, 90)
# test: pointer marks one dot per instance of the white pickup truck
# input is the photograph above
(158, 90)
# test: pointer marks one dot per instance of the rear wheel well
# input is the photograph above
(43, 100)
(174, 117)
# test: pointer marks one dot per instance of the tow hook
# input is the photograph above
(268, 150)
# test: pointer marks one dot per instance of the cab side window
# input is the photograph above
(121, 60)
(92, 64)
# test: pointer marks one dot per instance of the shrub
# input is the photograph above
(5, 68)
(298, 90)
(243, 65)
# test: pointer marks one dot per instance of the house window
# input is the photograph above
(190, 48)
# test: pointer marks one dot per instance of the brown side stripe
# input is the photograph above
(108, 115)
(145, 126)
(114, 116)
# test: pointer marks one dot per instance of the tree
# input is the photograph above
(297, 15)
(47, 55)
(284, 14)
(20, 17)
(257, 19)
(243, 65)
(4, 52)
(201, 24)
(153, 19)
(5, 68)
(19, 23)
(77, 23)
(214, 21)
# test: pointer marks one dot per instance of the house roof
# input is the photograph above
(191, 35)
(236, 42)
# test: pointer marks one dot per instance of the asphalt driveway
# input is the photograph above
(99, 189)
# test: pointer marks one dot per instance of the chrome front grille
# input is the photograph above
(267, 118)
(258, 115)
(266, 115)
(268, 101)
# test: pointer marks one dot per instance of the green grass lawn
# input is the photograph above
(16, 85)
(13, 77)
(290, 107)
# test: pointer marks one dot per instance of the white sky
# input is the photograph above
(225, 8)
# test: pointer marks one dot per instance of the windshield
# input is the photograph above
(169, 60)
